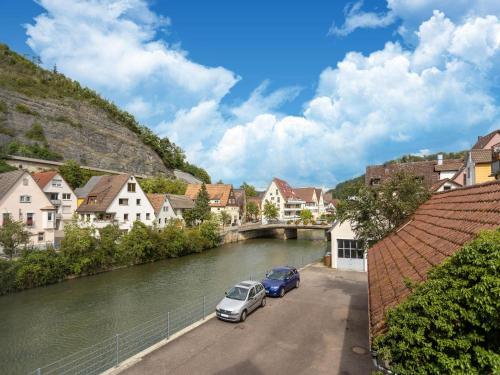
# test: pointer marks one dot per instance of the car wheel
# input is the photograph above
(263, 302)
(297, 283)
(243, 316)
(282, 292)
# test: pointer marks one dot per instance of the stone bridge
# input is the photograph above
(280, 231)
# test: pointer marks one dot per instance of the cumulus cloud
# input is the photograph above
(113, 45)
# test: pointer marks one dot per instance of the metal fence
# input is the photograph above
(112, 351)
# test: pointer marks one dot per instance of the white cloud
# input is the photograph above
(355, 18)
(112, 45)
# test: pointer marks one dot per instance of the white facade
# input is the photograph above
(346, 250)
(128, 205)
(26, 202)
(63, 198)
(232, 211)
(165, 214)
(287, 209)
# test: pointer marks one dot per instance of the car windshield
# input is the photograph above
(237, 293)
(277, 274)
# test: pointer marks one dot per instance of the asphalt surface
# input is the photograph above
(320, 328)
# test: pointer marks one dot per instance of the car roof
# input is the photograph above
(247, 283)
(283, 268)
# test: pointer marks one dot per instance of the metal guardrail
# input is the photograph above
(112, 351)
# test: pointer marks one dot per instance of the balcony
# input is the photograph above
(55, 202)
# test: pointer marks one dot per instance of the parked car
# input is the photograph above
(280, 280)
(241, 300)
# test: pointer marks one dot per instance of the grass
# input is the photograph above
(21, 108)
(36, 133)
(67, 120)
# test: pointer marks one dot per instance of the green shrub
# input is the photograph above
(3, 107)
(40, 267)
(136, 246)
(79, 247)
(450, 324)
(31, 151)
(8, 270)
(21, 108)
(36, 133)
(7, 131)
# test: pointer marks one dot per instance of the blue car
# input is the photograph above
(280, 280)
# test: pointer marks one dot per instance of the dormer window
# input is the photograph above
(131, 187)
(92, 199)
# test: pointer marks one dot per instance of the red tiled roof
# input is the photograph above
(484, 140)
(103, 193)
(306, 194)
(43, 178)
(221, 192)
(157, 201)
(482, 156)
(449, 165)
(424, 169)
(439, 228)
(285, 189)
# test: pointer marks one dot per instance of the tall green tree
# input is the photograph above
(252, 211)
(376, 211)
(270, 211)
(73, 174)
(450, 324)
(225, 218)
(13, 236)
(201, 210)
(78, 246)
(249, 189)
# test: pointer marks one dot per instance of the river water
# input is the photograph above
(39, 326)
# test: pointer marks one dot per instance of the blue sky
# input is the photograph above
(308, 92)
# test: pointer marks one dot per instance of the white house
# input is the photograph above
(222, 198)
(347, 252)
(283, 196)
(179, 204)
(163, 209)
(314, 200)
(60, 195)
(116, 199)
(21, 199)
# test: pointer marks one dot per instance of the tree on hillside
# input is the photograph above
(306, 216)
(162, 185)
(450, 324)
(13, 236)
(376, 211)
(201, 209)
(270, 211)
(252, 211)
(249, 189)
(73, 174)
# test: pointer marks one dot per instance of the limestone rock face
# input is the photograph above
(78, 131)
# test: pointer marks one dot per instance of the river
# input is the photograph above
(41, 325)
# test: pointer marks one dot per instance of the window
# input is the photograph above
(137, 216)
(165, 208)
(259, 288)
(123, 202)
(29, 219)
(350, 249)
(41, 236)
(66, 196)
(54, 196)
(92, 199)
(446, 187)
(56, 182)
(66, 209)
(25, 199)
(25, 181)
(125, 217)
(131, 187)
(165, 220)
(159, 220)
(252, 293)
(278, 199)
(88, 217)
(50, 216)
(276, 191)
(138, 202)
(148, 215)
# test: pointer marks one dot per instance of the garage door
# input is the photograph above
(350, 255)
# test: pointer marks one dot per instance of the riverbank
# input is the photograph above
(40, 326)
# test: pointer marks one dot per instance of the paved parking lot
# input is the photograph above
(320, 328)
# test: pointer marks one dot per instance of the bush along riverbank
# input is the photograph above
(84, 253)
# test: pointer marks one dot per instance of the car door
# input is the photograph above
(290, 281)
(260, 293)
(252, 300)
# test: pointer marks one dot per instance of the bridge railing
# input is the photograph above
(109, 353)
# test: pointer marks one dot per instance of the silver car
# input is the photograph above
(241, 300)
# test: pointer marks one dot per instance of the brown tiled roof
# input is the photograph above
(440, 183)
(8, 180)
(180, 201)
(449, 165)
(481, 156)
(215, 191)
(43, 178)
(439, 228)
(103, 192)
(157, 201)
(306, 194)
(285, 189)
(484, 140)
(424, 169)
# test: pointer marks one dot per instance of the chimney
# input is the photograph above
(440, 159)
